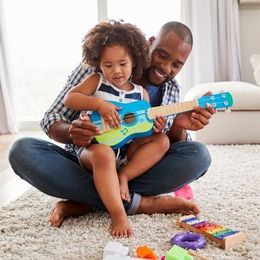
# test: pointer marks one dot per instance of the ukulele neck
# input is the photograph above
(167, 110)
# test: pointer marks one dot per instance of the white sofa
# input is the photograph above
(242, 125)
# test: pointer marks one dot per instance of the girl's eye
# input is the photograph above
(123, 64)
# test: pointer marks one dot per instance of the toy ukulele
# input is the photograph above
(224, 237)
(137, 117)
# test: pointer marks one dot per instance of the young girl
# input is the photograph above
(119, 52)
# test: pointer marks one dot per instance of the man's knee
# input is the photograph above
(202, 154)
(201, 159)
(19, 150)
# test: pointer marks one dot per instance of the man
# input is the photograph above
(56, 171)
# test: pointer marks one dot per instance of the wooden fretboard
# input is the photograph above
(167, 110)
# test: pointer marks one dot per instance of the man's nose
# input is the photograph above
(166, 68)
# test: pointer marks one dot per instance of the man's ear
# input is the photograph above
(151, 40)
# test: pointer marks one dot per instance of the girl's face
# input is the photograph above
(116, 66)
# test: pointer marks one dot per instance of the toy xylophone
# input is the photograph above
(224, 237)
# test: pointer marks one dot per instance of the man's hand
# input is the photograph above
(194, 120)
(82, 131)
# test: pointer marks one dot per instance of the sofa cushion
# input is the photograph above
(255, 61)
(246, 96)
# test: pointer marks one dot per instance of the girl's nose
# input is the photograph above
(117, 69)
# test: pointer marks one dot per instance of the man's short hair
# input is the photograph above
(182, 30)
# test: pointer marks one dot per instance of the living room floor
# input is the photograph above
(11, 186)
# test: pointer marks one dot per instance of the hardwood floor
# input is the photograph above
(11, 186)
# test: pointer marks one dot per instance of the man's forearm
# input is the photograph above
(177, 134)
(59, 131)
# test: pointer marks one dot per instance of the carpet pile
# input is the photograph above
(227, 194)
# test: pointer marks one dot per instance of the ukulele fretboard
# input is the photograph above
(171, 109)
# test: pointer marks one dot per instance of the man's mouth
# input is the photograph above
(159, 75)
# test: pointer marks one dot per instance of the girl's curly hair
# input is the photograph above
(112, 33)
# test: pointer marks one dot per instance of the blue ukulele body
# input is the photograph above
(137, 117)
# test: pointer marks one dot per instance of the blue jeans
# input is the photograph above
(56, 172)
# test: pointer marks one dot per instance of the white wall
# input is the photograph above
(249, 38)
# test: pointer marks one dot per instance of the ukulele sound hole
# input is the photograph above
(129, 118)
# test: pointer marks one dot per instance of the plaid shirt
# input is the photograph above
(58, 111)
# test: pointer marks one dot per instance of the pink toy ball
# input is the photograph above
(189, 240)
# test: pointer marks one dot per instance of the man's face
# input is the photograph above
(168, 55)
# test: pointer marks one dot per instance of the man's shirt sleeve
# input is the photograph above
(58, 111)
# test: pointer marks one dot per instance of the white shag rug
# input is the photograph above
(227, 194)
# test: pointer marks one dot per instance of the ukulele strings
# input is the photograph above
(126, 117)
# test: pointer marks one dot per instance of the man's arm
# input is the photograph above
(193, 120)
(80, 132)
(63, 124)
(59, 131)
(177, 133)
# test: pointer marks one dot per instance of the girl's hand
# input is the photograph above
(108, 111)
(159, 124)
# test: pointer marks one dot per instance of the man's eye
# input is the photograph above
(177, 65)
(108, 66)
(162, 55)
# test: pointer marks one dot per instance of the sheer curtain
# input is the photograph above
(216, 49)
(7, 119)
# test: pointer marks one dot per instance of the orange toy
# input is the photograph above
(146, 253)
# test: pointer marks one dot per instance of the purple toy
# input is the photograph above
(189, 240)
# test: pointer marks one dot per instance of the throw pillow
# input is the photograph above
(255, 61)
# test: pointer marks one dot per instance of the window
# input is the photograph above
(147, 15)
(44, 41)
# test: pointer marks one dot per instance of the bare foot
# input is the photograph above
(64, 209)
(167, 205)
(120, 226)
(123, 185)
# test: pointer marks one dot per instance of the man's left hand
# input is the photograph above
(196, 119)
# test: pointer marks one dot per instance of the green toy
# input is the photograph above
(178, 253)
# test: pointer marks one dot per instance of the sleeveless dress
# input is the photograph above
(109, 92)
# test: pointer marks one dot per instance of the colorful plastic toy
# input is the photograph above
(224, 237)
(177, 253)
(146, 252)
(115, 248)
(189, 240)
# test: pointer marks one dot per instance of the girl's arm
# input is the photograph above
(146, 96)
(79, 98)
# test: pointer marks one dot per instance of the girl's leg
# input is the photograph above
(143, 153)
(101, 160)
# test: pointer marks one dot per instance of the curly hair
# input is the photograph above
(106, 34)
